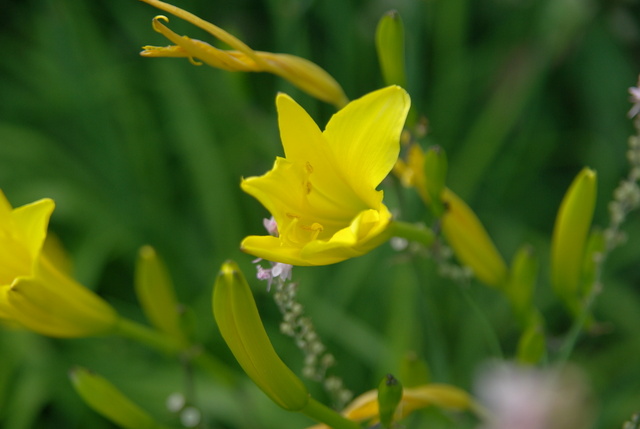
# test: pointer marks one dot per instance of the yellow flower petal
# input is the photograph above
(5, 209)
(328, 210)
(364, 234)
(304, 143)
(32, 221)
(271, 249)
(5, 310)
(53, 304)
(22, 233)
(364, 137)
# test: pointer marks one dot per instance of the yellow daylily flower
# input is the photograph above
(33, 292)
(323, 194)
(302, 73)
(364, 408)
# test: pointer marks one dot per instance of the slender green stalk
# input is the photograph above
(576, 330)
(218, 369)
(326, 415)
(572, 338)
(147, 336)
(490, 334)
(156, 340)
(418, 233)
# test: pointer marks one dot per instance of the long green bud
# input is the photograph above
(570, 235)
(239, 322)
(390, 46)
(104, 398)
(157, 295)
(389, 396)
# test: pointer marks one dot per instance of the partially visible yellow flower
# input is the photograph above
(364, 408)
(323, 195)
(33, 292)
(303, 73)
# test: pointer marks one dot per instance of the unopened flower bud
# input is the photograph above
(570, 234)
(471, 242)
(156, 294)
(104, 398)
(390, 47)
(237, 317)
(389, 396)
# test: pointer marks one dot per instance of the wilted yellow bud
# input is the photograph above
(390, 47)
(33, 292)
(570, 235)
(470, 241)
(302, 73)
(237, 317)
(104, 398)
(156, 294)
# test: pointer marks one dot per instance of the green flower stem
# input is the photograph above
(129, 329)
(412, 232)
(157, 340)
(326, 415)
(580, 321)
(218, 369)
(491, 336)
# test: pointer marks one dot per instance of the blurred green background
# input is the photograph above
(520, 93)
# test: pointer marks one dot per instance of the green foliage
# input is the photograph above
(142, 151)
